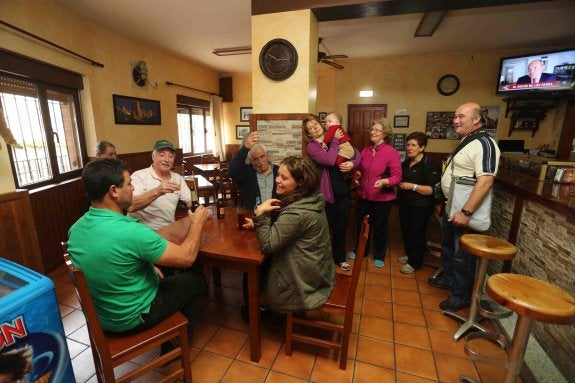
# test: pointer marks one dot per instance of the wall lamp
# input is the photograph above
(232, 51)
(366, 93)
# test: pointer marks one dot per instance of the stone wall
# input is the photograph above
(281, 138)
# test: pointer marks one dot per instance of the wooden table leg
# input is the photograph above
(254, 312)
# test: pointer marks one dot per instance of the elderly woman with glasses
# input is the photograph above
(381, 171)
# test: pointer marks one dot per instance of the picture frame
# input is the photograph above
(241, 131)
(136, 111)
(401, 121)
(245, 112)
(322, 116)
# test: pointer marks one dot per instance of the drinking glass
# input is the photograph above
(241, 211)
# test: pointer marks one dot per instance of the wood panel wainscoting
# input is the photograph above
(18, 239)
(55, 208)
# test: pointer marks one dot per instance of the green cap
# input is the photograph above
(161, 144)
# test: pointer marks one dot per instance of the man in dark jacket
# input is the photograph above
(252, 169)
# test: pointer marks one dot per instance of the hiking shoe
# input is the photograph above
(402, 259)
(378, 263)
(351, 255)
(344, 266)
(451, 305)
(407, 269)
(439, 283)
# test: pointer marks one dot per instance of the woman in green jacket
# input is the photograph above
(294, 235)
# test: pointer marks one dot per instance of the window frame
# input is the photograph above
(190, 103)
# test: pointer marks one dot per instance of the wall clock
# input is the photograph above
(448, 84)
(278, 59)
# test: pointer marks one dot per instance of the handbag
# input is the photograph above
(438, 193)
(459, 193)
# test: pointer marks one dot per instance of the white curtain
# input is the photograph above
(218, 122)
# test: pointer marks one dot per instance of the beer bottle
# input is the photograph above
(220, 206)
(195, 201)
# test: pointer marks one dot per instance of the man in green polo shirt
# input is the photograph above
(117, 255)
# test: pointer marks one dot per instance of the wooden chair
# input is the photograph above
(340, 302)
(110, 350)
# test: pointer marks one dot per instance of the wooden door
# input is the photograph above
(359, 122)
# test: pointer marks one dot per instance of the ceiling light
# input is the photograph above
(366, 93)
(232, 51)
(429, 23)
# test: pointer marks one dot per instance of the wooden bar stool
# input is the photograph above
(485, 248)
(533, 300)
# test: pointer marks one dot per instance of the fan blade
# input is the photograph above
(333, 64)
(331, 57)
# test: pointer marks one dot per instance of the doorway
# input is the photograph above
(359, 118)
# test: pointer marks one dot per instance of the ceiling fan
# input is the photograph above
(325, 58)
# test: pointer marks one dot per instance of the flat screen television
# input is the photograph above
(537, 73)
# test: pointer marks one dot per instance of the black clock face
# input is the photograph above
(278, 59)
(448, 84)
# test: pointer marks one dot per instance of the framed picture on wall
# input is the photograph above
(136, 111)
(245, 113)
(241, 131)
(322, 116)
(401, 121)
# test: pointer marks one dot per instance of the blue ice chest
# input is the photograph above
(30, 325)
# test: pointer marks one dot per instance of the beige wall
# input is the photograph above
(242, 92)
(49, 20)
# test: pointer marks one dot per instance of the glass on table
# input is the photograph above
(241, 212)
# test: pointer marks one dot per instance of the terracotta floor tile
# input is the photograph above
(402, 377)
(378, 280)
(245, 373)
(449, 368)
(435, 319)
(411, 335)
(376, 328)
(236, 321)
(403, 283)
(376, 351)
(227, 342)
(442, 341)
(299, 364)
(408, 314)
(431, 302)
(415, 361)
(216, 313)
(278, 377)
(368, 373)
(378, 309)
(326, 369)
(226, 295)
(425, 288)
(210, 367)
(203, 332)
(379, 293)
(270, 349)
(407, 298)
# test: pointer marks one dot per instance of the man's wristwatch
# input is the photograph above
(466, 213)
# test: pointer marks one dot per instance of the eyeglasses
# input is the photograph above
(376, 130)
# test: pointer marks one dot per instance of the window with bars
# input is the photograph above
(44, 120)
(195, 129)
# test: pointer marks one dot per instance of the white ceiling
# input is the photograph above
(192, 29)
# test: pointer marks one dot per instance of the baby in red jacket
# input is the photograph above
(345, 149)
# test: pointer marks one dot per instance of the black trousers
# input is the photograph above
(337, 217)
(378, 216)
(413, 220)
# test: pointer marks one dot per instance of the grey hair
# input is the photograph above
(253, 149)
(102, 146)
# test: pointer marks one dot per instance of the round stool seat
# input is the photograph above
(485, 246)
(532, 298)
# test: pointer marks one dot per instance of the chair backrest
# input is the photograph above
(102, 357)
(358, 262)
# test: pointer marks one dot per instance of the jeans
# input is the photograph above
(378, 216)
(458, 265)
(337, 217)
(182, 292)
(413, 220)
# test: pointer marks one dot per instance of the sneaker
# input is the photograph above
(344, 266)
(451, 305)
(351, 255)
(439, 283)
(407, 269)
(378, 263)
(402, 259)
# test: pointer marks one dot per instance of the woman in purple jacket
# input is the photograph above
(380, 172)
(334, 188)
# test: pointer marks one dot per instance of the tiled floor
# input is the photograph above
(399, 336)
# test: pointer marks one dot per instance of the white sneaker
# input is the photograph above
(402, 259)
(407, 269)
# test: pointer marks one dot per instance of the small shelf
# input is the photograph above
(526, 113)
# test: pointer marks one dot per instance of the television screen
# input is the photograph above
(537, 73)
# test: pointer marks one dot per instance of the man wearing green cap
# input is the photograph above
(157, 189)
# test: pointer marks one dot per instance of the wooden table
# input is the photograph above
(206, 170)
(223, 245)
